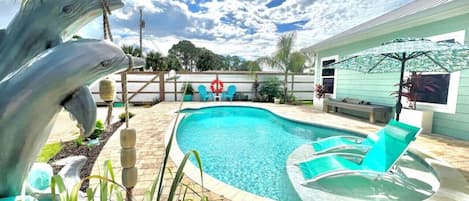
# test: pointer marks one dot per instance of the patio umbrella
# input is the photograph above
(409, 54)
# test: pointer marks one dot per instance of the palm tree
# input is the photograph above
(284, 59)
(154, 61)
(134, 51)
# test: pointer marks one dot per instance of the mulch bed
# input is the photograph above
(70, 148)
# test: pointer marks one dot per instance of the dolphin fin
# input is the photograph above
(82, 107)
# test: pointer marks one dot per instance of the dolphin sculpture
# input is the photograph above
(31, 97)
(41, 25)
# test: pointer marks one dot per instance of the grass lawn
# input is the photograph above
(307, 102)
(49, 151)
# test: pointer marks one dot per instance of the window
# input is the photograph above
(432, 88)
(328, 74)
(439, 91)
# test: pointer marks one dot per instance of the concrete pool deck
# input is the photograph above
(153, 123)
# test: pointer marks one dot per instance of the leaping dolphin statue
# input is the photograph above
(44, 24)
(31, 97)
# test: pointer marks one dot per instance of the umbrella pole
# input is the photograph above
(399, 104)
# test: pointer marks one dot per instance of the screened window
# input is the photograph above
(433, 88)
(328, 75)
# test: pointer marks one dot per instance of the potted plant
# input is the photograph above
(189, 91)
(271, 89)
(319, 95)
(410, 93)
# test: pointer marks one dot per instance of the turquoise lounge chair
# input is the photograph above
(228, 95)
(377, 161)
(204, 94)
(347, 143)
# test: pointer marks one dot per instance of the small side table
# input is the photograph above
(217, 97)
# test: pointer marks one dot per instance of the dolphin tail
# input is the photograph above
(82, 106)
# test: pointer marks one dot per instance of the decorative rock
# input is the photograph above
(128, 157)
(129, 177)
(107, 90)
(128, 137)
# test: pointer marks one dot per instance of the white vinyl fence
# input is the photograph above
(145, 87)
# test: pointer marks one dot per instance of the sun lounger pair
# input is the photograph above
(382, 153)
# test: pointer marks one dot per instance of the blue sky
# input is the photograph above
(248, 29)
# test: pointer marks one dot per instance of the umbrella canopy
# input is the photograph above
(410, 54)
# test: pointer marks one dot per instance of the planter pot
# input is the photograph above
(277, 100)
(187, 98)
(422, 119)
(318, 104)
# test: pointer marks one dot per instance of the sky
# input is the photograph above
(249, 28)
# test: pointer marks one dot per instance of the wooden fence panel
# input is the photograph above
(145, 87)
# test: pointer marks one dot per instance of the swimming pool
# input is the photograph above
(248, 147)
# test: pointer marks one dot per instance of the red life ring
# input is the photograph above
(219, 87)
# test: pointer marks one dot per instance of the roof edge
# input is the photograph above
(434, 14)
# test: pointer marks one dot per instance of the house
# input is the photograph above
(438, 20)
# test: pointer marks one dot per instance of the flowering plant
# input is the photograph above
(320, 91)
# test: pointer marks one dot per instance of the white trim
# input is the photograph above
(453, 88)
(458, 36)
(336, 58)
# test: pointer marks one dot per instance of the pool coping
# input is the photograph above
(453, 186)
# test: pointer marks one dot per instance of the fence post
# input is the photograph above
(175, 90)
(162, 92)
(122, 86)
(292, 83)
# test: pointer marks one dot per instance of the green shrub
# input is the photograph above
(189, 90)
(49, 151)
(122, 116)
(98, 131)
(80, 141)
(271, 89)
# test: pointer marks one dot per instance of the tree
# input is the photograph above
(310, 58)
(185, 52)
(172, 63)
(154, 60)
(207, 60)
(132, 50)
(284, 59)
(235, 63)
(251, 66)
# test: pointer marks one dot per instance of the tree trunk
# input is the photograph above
(285, 89)
(292, 83)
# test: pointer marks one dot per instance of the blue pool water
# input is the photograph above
(247, 147)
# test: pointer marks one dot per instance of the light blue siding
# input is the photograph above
(377, 88)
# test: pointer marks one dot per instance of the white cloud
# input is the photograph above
(243, 28)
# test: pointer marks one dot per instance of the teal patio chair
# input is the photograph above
(347, 143)
(377, 161)
(228, 95)
(204, 94)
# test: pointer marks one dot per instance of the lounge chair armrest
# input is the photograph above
(362, 149)
(344, 155)
(357, 158)
(344, 173)
(350, 137)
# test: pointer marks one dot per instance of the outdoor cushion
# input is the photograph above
(355, 101)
